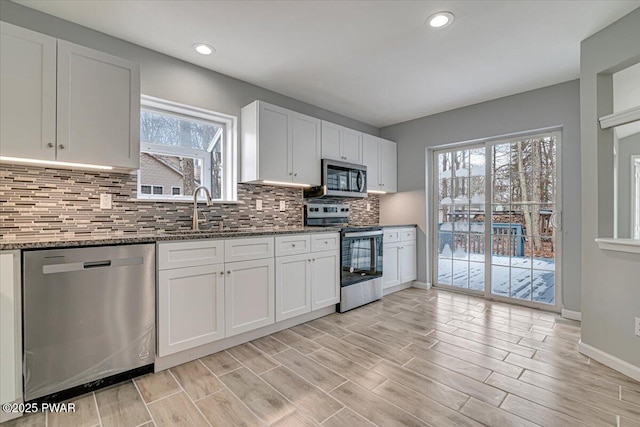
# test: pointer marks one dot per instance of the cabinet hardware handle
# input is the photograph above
(293, 245)
(314, 260)
(228, 271)
(222, 273)
(61, 146)
(295, 174)
(50, 145)
(290, 173)
(309, 260)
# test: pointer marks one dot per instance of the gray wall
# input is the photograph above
(553, 106)
(627, 147)
(610, 285)
(169, 78)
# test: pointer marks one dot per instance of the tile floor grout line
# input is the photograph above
(334, 414)
(95, 401)
(146, 407)
(189, 397)
(164, 397)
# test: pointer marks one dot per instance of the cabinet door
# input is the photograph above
(28, 87)
(325, 279)
(390, 265)
(249, 295)
(408, 271)
(293, 286)
(331, 141)
(190, 307)
(10, 332)
(351, 146)
(388, 154)
(98, 108)
(371, 161)
(306, 146)
(274, 127)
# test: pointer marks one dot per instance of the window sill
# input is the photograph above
(184, 201)
(619, 245)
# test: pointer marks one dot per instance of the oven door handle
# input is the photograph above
(364, 234)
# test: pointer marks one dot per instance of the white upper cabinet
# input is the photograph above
(28, 87)
(65, 102)
(279, 145)
(381, 159)
(341, 143)
(98, 108)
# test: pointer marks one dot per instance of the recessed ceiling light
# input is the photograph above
(440, 19)
(203, 49)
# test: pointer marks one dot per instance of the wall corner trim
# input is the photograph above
(422, 285)
(573, 315)
(607, 359)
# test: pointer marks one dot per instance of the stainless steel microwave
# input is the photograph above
(340, 179)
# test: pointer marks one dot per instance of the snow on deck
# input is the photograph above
(531, 279)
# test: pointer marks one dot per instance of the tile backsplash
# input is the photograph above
(40, 202)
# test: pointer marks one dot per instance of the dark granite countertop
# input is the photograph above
(132, 238)
(399, 226)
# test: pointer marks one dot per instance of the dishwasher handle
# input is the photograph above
(94, 264)
(87, 265)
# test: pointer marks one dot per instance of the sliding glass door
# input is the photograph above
(496, 218)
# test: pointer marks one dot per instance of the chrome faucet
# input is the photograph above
(196, 220)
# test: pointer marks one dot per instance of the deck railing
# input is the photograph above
(508, 239)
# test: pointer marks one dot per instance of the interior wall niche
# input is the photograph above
(624, 122)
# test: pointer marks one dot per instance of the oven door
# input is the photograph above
(361, 256)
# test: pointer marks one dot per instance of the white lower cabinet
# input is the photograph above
(408, 271)
(249, 293)
(191, 307)
(308, 281)
(399, 257)
(325, 279)
(293, 286)
(202, 299)
(10, 332)
(390, 265)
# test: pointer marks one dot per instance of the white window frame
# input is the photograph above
(173, 187)
(229, 150)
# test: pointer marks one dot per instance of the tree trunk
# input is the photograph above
(536, 190)
(187, 168)
(523, 189)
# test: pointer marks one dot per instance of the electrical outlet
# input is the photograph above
(105, 201)
(638, 326)
(259, 204)
(283, 206)
(368, 207)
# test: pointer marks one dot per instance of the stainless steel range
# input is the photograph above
(361, 254)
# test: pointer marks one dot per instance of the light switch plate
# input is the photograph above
(105, 201)
(259, 204)
(283, 206)
(638, 326)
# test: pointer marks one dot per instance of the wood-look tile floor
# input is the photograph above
(415, 358)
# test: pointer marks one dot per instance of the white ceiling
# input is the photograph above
(374, 61)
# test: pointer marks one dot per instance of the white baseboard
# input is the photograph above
(573, 315)
(422, 285)
(613, 362)
(396, 288)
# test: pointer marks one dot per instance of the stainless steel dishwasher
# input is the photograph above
(89, 316)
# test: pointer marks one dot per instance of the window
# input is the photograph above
(182, 148)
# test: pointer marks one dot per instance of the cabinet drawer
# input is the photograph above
(294, 244)
(248, 249)
(391, 235)
(190, 254)
(407, 234)
(325, 242)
